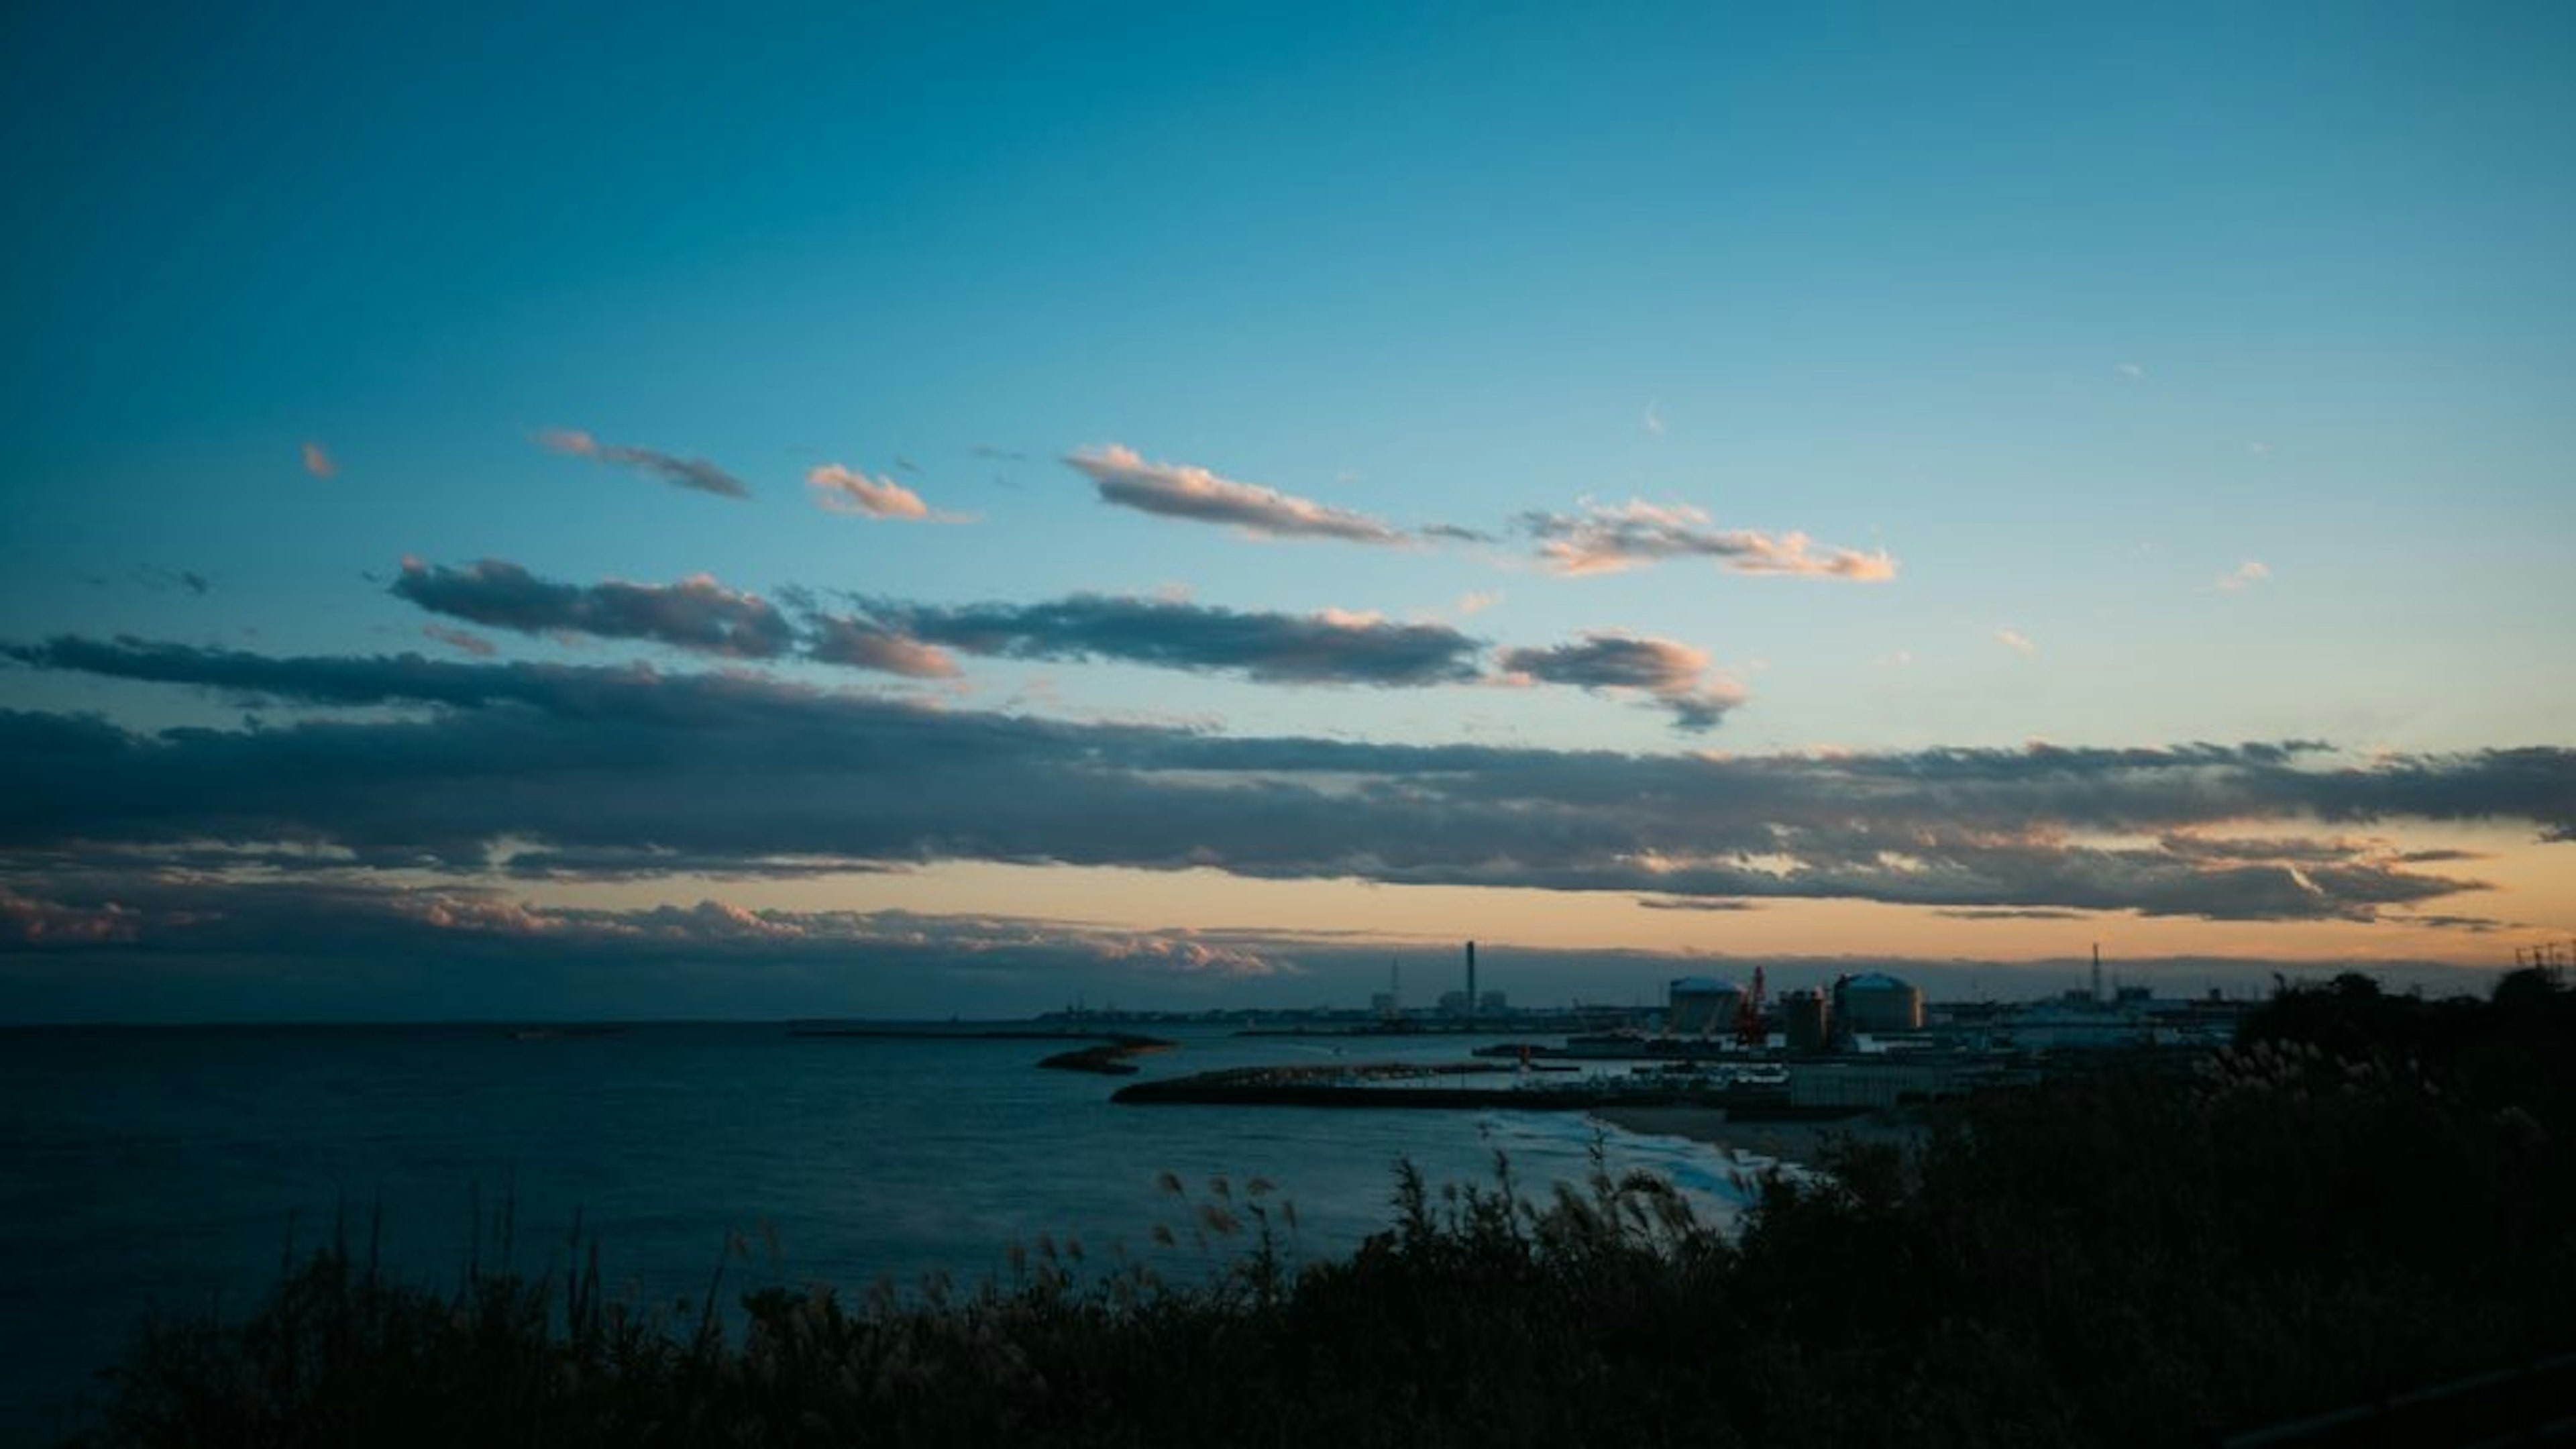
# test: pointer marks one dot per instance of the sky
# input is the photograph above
(876, 510)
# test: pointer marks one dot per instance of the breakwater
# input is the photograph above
(1108, 1058)
(1279, 1087)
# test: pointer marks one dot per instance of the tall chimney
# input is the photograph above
(1471, 981)
(2097, 971)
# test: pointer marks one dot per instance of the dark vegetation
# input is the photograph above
(2368, 1194)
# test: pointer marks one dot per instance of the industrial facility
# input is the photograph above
(1874, 1003)
(1701, 1006)
(1867, 1005)
(1807, 1020)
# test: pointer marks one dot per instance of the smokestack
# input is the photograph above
(2097, 971)
(1471, 981)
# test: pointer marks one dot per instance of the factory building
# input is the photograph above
(1807, 1017)
(1467, 1005)
(1700, 1006)
(1876, 1002)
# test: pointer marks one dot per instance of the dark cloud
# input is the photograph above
(914, 640)
(2295, 850)
(1676, 676)
(463, 927)
(1327, 648)
(603, 863)
(369, 680)
(2473, 925)
(1180, 491)
(696, 613)
(693, 473)
(1607, 538)
(1667, 903)
(709, 766)
(2010, 914)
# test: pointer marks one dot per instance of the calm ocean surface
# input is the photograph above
(164, 1167)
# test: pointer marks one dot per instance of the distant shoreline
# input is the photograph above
(935, 1031)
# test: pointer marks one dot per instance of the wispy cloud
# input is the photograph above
(843, 490)
(318, 462)
(1654, 420)
(2131, 370)
(1453, 533)
(27, 921)
(1182, 491)
(2016, 641)
(697, 613)
(694, 473)
(1607, 538)
(866, 644)
(1675, 676)
(161, 580)
(2473, 925)
(2244, 576)
(461, 641)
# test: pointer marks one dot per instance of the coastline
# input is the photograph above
(1801, 1143)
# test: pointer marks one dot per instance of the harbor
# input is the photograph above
(1865, 1042)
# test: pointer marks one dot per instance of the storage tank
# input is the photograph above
(1700, 1006)
(1876, 1002)
(1808, 1018)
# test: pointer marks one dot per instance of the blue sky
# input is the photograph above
(2199, 375)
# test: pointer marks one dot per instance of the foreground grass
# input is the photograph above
(2127, 1260)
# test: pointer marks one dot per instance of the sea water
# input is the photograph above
(174, 1170)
